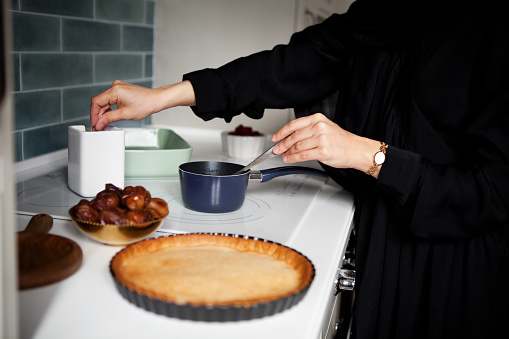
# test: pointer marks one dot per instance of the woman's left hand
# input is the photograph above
(316, 137)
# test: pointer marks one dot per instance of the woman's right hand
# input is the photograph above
(136, 102)
(315, 137)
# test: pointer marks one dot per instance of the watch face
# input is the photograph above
(379, 158)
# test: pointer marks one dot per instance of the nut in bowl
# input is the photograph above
(243, 143)
(119, 216)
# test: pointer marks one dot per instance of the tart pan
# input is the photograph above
(215, 313)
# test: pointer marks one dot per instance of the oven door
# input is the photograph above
(341, 307)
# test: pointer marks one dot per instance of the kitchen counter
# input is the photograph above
(88, 305)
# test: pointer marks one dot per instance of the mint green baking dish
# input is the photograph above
(154, 153)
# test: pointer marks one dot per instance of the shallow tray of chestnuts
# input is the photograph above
(118, 216)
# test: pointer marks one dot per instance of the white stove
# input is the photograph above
(309, 214)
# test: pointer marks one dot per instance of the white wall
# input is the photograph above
(196, 34)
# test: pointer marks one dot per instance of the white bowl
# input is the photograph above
(243, 147)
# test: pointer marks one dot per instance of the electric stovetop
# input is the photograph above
(272, 210)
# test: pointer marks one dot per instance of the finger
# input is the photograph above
(94, 116)
(306, 155)
(98, 125)
(101, 104)
(122, 83)
(110, 116)
(290, 128)
(306, 141)
(293, 132)
(298, 124)
(106, 98)
(118, 82)
(310, 143)
(96, 119)
(95, 112)
(291, 140)
(98, 102)
(302, 137)
(317, 147)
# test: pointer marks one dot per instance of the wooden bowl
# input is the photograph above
(117, 235)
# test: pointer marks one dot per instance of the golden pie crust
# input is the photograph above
(212, 270)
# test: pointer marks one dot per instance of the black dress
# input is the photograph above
(431, 79)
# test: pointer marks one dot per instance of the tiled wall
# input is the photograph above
(67, 51)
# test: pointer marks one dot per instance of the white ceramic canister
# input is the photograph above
(95, 159)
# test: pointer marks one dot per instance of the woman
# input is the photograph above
(420, 135)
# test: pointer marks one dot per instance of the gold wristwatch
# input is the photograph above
(378, 158)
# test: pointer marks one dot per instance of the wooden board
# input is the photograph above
(45, 258)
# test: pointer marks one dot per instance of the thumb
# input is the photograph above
(107, 118)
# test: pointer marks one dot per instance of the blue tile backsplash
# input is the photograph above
(65, 52)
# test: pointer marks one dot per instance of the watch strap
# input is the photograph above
(374, 168)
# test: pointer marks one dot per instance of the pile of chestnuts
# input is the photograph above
(115, 206)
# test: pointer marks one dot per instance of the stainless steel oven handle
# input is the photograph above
(345, 280)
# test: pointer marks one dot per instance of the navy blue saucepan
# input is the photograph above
(212, 187)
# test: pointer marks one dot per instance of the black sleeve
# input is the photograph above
(286, 76)
(307, 69)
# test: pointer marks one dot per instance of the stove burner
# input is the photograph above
(252, 209)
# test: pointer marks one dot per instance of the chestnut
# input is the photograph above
(83, 211)
(157, 207)
(84, 202)
(127, 190)
(114, 189)
(112, 216)
(136, 199)
(142, 191)
(138, 216)
(105, 199)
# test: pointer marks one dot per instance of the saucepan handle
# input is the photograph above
(271, 173)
